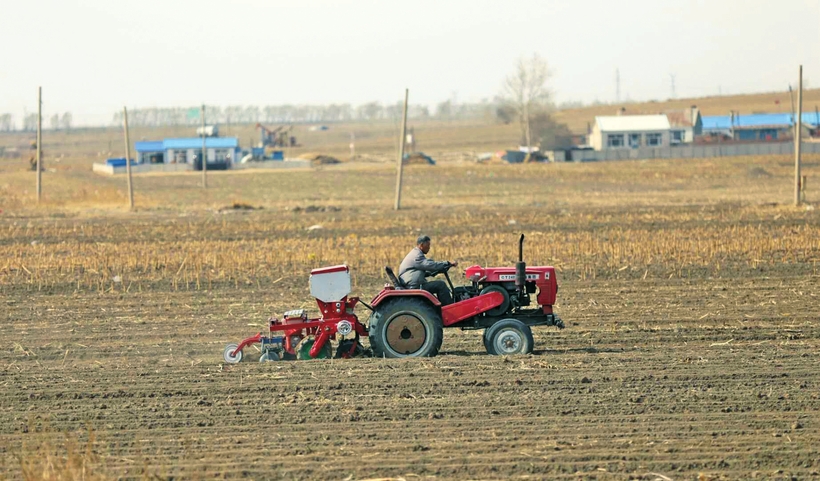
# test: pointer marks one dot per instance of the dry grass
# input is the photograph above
(626, 219)
(67, 459)
(204, 253)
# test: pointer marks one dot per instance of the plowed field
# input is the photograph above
(676, 377)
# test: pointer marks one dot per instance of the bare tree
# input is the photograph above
(6, 124)
(371, 110)
(444, 110)
(66, 120)
(526, 92)
(30, 123)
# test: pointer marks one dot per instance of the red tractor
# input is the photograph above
(409, 322)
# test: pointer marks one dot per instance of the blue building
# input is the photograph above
(757, 126)
(222, 152)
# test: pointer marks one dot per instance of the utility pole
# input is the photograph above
(672, 79)
(797, 140)
(128, 159)
(204, 152)
(397, 204)
(791, 96)
(39, 143)
(617, 85)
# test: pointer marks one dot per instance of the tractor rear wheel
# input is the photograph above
(405, 327)
(509, 337)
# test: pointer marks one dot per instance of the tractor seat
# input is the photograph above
(397, 283)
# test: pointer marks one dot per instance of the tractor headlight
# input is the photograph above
(344, 327)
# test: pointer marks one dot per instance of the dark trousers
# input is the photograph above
(440, 289)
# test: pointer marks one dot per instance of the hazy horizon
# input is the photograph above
(93, 57)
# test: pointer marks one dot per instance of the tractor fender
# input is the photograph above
(391, 293)
(474, 306)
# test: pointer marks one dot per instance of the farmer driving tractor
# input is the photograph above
(415, 268)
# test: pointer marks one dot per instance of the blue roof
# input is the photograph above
(811, 118)
(196, 143)
(149, 146)
(187, 143)
(724, 122)
(716, 122)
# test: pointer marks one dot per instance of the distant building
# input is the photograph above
(630, 132)
(757, 127)
(222, 152)
(684, 124)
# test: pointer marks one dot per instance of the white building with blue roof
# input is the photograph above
(221, 152)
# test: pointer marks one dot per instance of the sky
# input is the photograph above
(92, 57)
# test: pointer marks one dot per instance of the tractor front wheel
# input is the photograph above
(405, 327)
(508, 337)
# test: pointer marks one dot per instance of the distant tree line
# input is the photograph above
(57, 122)
(498, 109)
(6, 123)
(288, 114)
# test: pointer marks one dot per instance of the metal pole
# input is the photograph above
(797, 138)
(39, 143)
(397, 204)
(128, 159)
(204, 152)
(791, 96)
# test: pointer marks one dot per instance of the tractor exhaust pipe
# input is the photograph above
(520, 267)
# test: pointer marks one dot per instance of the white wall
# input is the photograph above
(211, 152)
(695, 151)
(595, 140)
(599, 139)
